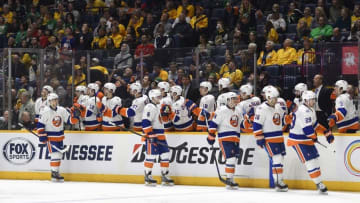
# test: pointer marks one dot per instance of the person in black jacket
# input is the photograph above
(84, 39)
(182, 32)
(324, 104)
(189, 90)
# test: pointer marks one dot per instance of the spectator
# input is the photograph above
(148, 26)
(25, 119)
(123, 59)
(24, 84)
(235, 75)
(127, 77)
(11, 42)
(245, 27)
(225, 67)
(188, 7)
(200, 21)
(74, 12)
(267, 57)
(355, 32)
(164, 21)
(80, 78)
(293, 15)
(116, 37)
(102, 24)
(18, 69)
(220, 36)
(180, 74)
(356, 15)
(323, 106)
(4, 121)
(60, 12)
(98, 72)
(170, 10)
(172, 76)
(308, 19)
(146, 49)
(70, 21)
(276, 18)
(229, 17)
(182, 33)
(337, 37)
(210, 68)
(247, 10)
(204, 47)
(307, 54)
(323, 32)
(302, 31)
(146, 82)
(7, 14)
(100, 41)
(60, 91)
(94, 5)
(189, 89)
(247, 60)
(3, 32)
(84, 39)
(159, 73)
(237, 43)
(68, 42)
(162, 40)
(270, 32)
(129, 40)
(26, 105)
(335, 10)
(343, 21)
(215, 88)
(21, 34)
(319, 12)
(287, 54)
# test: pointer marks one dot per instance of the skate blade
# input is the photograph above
(323, 193)
(281, 190)
(150, 184)
(57, 180)
(232, 187)
(167, 184)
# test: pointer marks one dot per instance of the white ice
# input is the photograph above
(21, 191)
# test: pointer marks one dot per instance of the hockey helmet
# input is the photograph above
(136, 87)
(176, 89)
(223, 83)
(342, 85)
(155, 95)
(48, 88)
(206, 84)
(110, 86)
(246, 90)
(165, 86)
(93, 86)
(300, 88)
(81, 88)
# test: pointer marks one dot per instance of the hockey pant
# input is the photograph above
(152, 150)
(55, 156)
(230, 151)
(276, 152)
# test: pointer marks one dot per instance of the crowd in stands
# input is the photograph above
(177, 41)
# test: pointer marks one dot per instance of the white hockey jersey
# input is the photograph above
(112, 120)
(40, 105)
(282, 104)
(152, 123)
(183, 119)
(82, 99)
(208, 104)
(268, 122)
(346, 113)
(302, 129)
(135, 111)
(227, 123)
(249, 105)
(91, 112)
(51, 123)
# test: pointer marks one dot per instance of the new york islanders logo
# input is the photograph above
(276, 119)
(234, 121)
(56, 121)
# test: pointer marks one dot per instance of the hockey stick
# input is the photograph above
(216, 163)
(321, 144)
(55, 147)
(160, 143)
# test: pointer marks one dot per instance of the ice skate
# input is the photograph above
(280, 186)
(230, 184)
(149, 181)
(56, 177)
(322, 188)
(166, 180)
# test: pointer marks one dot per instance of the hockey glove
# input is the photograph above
(165, 110)
(78, 106)
(261, 142)
(329, 136)
(211, 138)
(331, 120)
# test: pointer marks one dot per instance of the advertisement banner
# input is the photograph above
(124, 154)
(350, 60)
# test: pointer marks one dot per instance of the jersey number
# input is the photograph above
(293, 121)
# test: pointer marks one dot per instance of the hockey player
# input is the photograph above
(226, 123)
(111, 107)
(90, 110)
(166, 100)
(80, 94)
(183, 109)
(42, 101)
(153, 127)
(268, 132)
(292, 106)
(247, 106)
(207, 105)
(51, 131)
(224, 85)
(345, 116)
(137, 107)
(303, 136)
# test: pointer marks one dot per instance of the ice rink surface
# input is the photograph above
(21, 191)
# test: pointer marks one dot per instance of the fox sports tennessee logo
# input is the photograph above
(19, 151)
(352, 158)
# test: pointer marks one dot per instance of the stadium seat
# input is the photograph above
(292, 28)
(187, 60)
(273, 71)
(218, 13)
(220, 60)
(238, 60)
(290, 36)
(220, 50)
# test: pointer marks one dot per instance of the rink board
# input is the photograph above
(118, 157)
